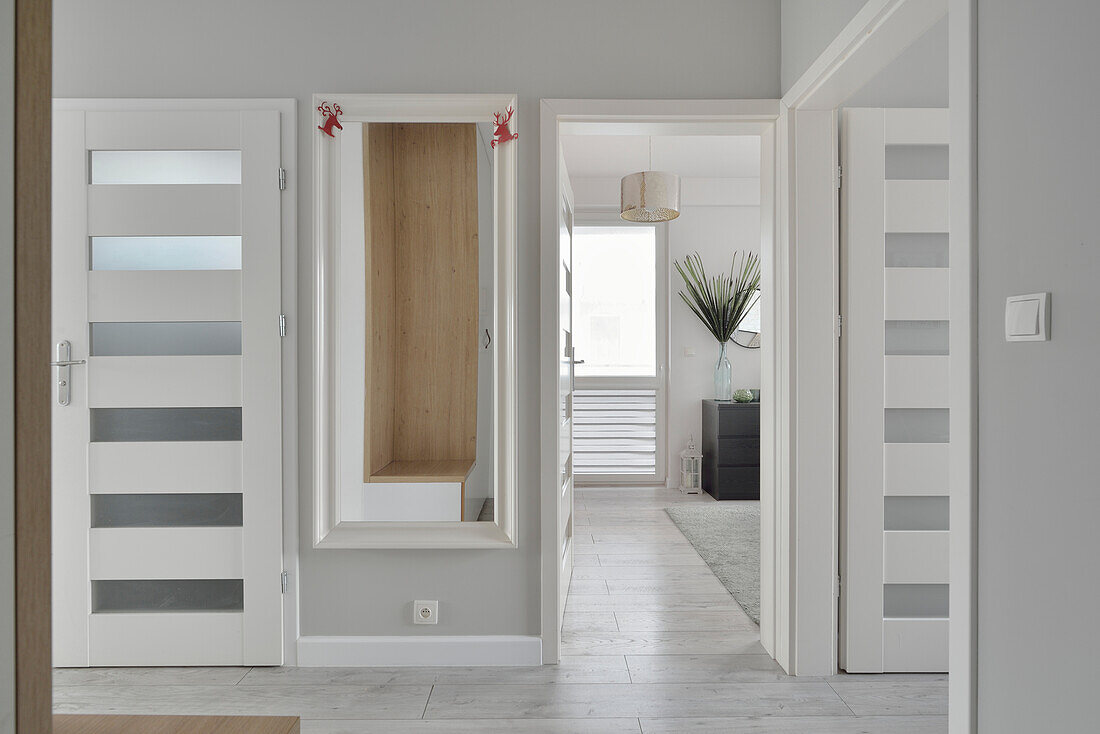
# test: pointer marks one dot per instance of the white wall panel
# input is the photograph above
(166, 638)
(916, 294)
(153, 382)
(164, 466)
(916, 382)
(164, 295)
(166, 209)
(915, 469)
(167, 130)
(914, 645)
(916, 126)
(916, 206)
(165, 553)
(915, 557)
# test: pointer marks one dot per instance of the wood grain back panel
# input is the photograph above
(435, 187)
(381, 274)
(421, 210)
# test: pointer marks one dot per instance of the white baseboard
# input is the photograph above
(419, 650)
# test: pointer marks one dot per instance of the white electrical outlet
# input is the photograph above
(426, 612)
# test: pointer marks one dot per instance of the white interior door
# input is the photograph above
(565, 389)
(620, 326)
(895, 391)
(167, 468)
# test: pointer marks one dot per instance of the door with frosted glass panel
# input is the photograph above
(895, 391)
(167, 478)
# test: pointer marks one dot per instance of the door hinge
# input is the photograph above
(839, 175)
(282, 324)
(283, 581)
(838, 325)
(282, 179)
(837, 589)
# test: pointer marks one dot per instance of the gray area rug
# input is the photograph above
(728, 539)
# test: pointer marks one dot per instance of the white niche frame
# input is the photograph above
(328, 530)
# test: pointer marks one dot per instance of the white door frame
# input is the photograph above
(671, 117)
(874, 37)
(288, 151)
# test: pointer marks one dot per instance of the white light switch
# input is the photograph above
(1027, 318)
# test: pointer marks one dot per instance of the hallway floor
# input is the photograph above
(652, 643)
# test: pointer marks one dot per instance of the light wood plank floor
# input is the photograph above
(652, 644)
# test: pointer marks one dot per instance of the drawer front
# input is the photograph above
(738, 482)
(739, 421)
(739, 451)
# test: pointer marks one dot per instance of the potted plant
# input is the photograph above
(721, 302)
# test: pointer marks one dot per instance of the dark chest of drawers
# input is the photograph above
(731, 450)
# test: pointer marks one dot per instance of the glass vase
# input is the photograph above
(723, 376)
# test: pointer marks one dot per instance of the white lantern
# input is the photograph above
(691, 469)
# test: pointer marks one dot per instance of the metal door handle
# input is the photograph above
(64, 364)
(578, 361)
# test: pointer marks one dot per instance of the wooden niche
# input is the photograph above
(421, 229)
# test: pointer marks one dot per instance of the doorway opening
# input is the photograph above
(641, 567)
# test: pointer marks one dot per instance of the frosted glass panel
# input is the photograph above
(917, 337)
(917, 162)
(166, 424)
(168, 595)
(900, 601)
(917, 425)
(166, 253)
(166, 166)
(917, 250)
(166, 510)
(916, 513)
(165, 338)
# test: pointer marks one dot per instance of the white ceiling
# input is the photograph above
(690, 156)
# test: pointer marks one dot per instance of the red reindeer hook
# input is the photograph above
(330, 112)
(502, 134)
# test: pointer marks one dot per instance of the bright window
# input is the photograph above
(615, 300)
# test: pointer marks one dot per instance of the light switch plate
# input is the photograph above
(1027, 318)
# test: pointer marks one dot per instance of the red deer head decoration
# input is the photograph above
(502, 133)
(330, 112)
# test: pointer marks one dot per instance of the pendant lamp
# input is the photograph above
(650, 196)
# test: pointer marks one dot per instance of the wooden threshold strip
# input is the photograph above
(93, 724)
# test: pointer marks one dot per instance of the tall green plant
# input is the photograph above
(721, 301)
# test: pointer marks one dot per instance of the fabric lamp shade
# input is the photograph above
(650, 196)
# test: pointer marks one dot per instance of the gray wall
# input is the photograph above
(916, 78)
(1039, 403)
(809, 26)
(281, 48)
